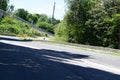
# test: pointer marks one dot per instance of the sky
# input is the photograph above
(41, 7)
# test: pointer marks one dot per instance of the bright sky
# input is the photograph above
(41, 7)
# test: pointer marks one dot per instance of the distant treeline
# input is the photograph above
(40, 20)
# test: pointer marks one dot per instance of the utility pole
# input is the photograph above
(52, 19)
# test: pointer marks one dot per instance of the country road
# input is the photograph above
(28, 60)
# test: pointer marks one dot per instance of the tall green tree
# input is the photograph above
(75, 18)
(4, 4)
(93, 22)
(22, 13)
(32, 18)
(116, 30)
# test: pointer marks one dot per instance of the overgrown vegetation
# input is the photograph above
(12, 26)
(91, 22)
(40, 20)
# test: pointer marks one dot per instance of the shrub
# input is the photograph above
(10, 25)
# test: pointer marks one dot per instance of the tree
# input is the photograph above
(62, 32)
(11, 8)
(42, 18)
(21, 13)
(116, 31)
(75, 19)
(4, 4)
(32, 18)
(48, 27)
(112, 9)
(93, 22)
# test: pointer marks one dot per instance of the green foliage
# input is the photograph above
(75, 19)
(4, 4)
(32, 18)
(48, 27)
(116, 30)
(61, 32)
(21, 13)
(40, 20)
(93, 22)
(10, 25)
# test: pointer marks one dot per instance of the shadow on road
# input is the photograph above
(21, 63)
(11, 39)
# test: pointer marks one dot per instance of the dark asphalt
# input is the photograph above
(22, 63)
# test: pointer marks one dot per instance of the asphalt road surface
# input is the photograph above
(27, 60)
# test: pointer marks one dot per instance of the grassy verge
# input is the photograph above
(81, 48)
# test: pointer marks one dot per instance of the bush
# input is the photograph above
(44, 25)
(61, 31)
(10, 25)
